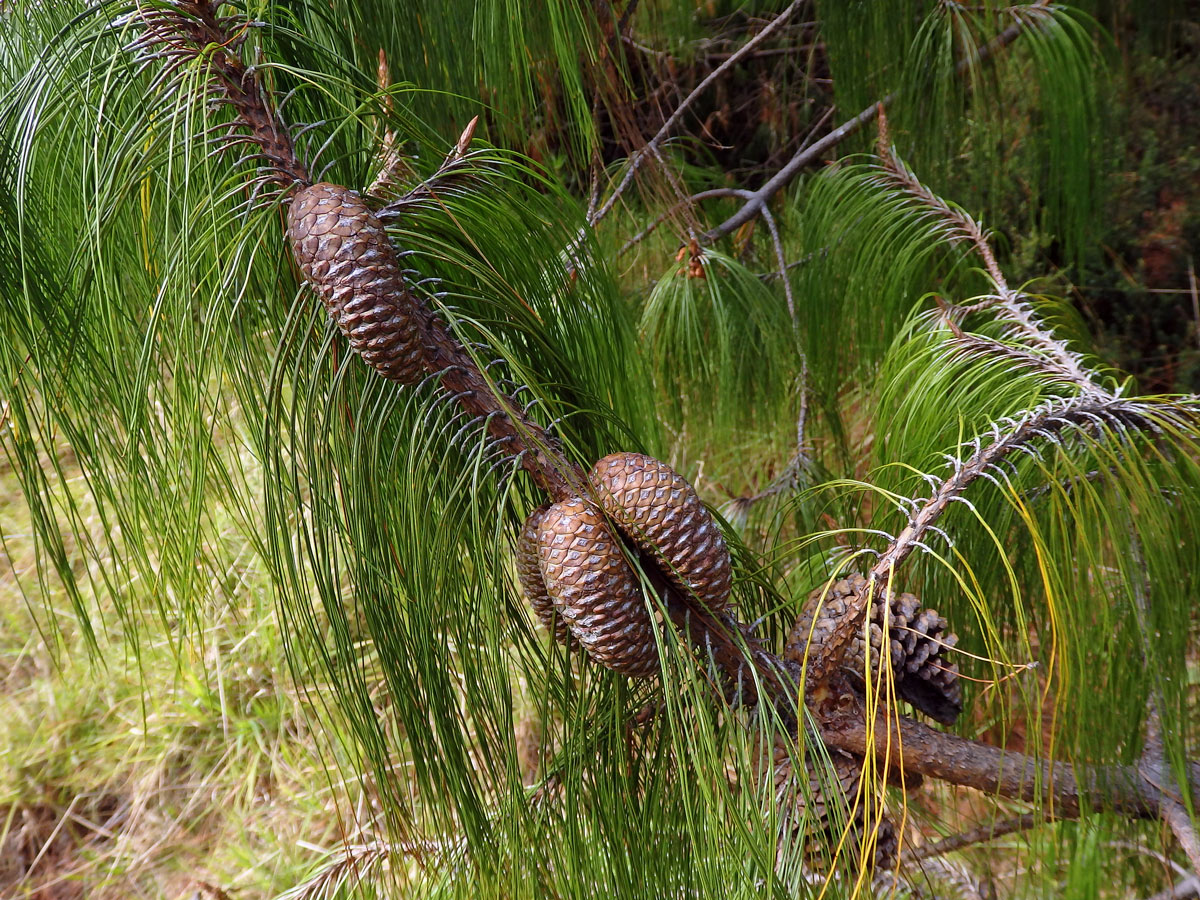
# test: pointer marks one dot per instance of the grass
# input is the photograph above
(191, 763)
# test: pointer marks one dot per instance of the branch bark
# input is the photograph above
(1059, 787)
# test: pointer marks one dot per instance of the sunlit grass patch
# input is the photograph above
(152, 768)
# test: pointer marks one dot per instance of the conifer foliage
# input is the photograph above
(663, 404)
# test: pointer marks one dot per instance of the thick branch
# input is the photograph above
(757, 202)
(1058, 786)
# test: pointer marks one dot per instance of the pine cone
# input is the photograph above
(823, 800)
(594, 588)
(344, 251)
(661, 513)
(917, 640)
(920, 640)
(529, 573)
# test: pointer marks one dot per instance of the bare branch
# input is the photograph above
(979, 835)
(652, 146)
(806, 156)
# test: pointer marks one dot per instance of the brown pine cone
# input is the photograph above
(343, 250)
(595, 589)
(917, 643)
(828, 794)
(811, 631)
(661, 513)
(529, 573)
(929, 681)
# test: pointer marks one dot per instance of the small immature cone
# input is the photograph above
(343, 250)
(529, 573)
(594, 588)
(661, 513)
(917, 639)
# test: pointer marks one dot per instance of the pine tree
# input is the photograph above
(511, 521)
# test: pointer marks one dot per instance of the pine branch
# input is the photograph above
(191, 30)
(183, 32)
(1059, 787)
(1008, 305)
(1055, 420)
(366, 293)
(976, 346)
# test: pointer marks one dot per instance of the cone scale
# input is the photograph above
(917, 639)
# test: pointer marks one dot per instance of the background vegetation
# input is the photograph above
(260, 628)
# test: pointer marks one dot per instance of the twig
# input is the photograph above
(782, 260)
(971, 344)
(1195, 298)
(651, 147)
(459, 163)
(979, 835)
(1182, 890)
(755, 205)
(689, 201)
(795, 264)
(627, 16)
(1154, 771)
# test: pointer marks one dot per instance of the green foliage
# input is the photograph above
(172, 395)
(955, 120)
(698, 324)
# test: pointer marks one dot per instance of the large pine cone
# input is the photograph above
(917, 643)
(529, 573)
(822, 800)
(661, 513)
(344, 251)
(595, 589)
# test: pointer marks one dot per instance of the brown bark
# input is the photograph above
(1063, 790)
